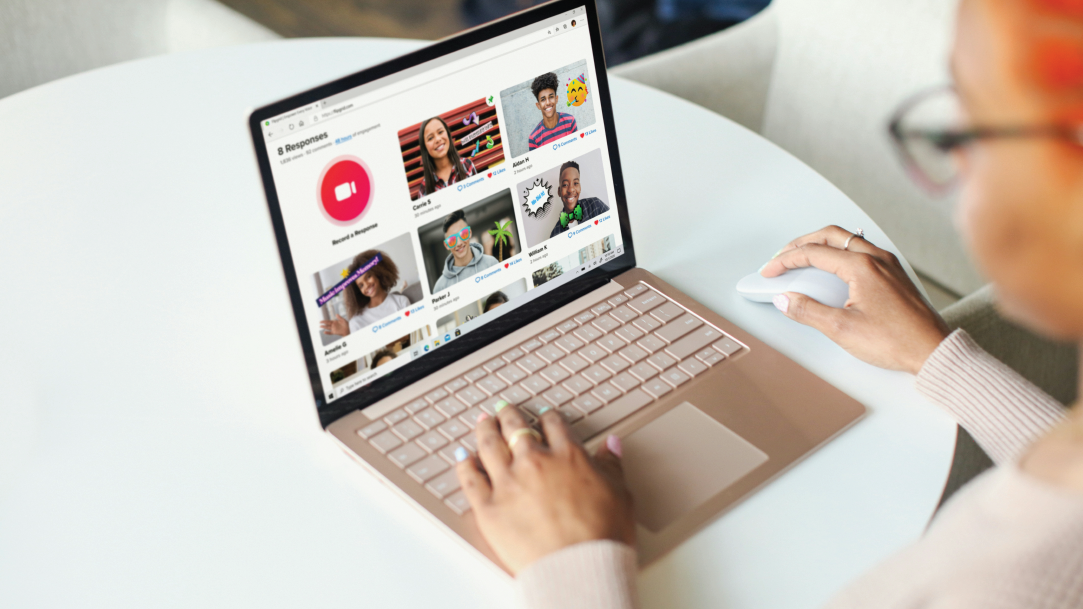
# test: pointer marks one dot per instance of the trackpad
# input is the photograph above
(680, 460)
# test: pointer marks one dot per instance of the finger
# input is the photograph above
(512, 420)
(492, 449)
(847, 265)
(608, 458)
(833, 236)
(557, 433)
(340, 318)
(805, 310)
(474, 483)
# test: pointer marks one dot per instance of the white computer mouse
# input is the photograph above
(819, 285)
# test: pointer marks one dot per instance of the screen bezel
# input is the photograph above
(496, 328)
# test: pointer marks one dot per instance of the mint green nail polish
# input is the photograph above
(544, 410)
(764, 266)
(501, 405)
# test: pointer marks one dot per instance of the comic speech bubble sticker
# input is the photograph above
(536, 198)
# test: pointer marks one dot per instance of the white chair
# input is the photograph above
(43, 40)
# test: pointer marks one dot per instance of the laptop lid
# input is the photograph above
(429, 205)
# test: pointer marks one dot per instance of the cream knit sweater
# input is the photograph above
(1004, 540)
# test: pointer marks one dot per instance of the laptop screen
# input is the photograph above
(422, 205)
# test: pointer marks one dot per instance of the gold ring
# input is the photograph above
(519, 433)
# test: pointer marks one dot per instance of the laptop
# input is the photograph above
(454, 231)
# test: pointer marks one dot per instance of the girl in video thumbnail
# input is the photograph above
(440, 162)
(494, 300)
(575, 210)
(367, 299)
(381, 357)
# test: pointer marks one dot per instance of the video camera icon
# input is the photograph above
(345, 190)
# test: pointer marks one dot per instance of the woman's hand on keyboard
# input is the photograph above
(885, 322)
(535, 499)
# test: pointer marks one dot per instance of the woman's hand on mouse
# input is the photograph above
(885, 322)
(338, 327)
(533, 499)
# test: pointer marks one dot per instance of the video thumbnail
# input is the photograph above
(469, 240)
(442, 150)
(400, 347)
(447, 324)
(547, 107)
(583, 257)
(563, 197)
(372, 285)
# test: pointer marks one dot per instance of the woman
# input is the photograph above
(494, 300)
(1013, 537)
(367, 299)
(381, 357)
(440, 162)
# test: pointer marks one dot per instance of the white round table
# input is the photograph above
(158, 441)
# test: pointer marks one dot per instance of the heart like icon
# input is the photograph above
(490, 174)
(506, 264)
(595, 222)
(407, 313)
(582, 135)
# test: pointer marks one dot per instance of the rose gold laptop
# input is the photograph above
(454, 231)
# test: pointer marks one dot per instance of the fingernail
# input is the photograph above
(782, 302)
(544, 410)
(764, 266)
(461, 454)
(482, 417)
(501, 405)
(614, 446)
(776, 254)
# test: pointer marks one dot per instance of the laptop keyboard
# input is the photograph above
(595, 368)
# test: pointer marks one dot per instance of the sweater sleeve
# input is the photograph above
(1002, 410)
(590, 575)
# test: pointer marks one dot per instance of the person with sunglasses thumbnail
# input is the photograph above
(441, 164)
(575, 210)
(466, 259)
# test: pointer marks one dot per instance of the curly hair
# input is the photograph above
(386, 273)
(543, 82)
(379, 355)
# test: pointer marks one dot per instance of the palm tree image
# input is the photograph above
(501, 236)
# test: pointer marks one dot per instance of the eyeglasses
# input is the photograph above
(451, 241)
(928, 132)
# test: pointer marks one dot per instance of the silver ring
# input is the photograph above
(858, 233)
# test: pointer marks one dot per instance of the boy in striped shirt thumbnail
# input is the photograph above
(554, 125)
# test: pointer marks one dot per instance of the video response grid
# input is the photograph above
(402, 203)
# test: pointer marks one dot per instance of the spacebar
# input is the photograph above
(617, 410)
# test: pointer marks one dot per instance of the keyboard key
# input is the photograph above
(555, 373)
(444, 484)
(606, 323)
(678, 328)
(574, 363)
(675, 377)
(549, 335)
(646, 302)
(429, 418)
(371, 429)
(533, 407)
(408, 429)
(532, 363)
(692, 366)
(727, 346)
(578, 385)
(570, 415)
(476, 374)
(558, 395)
(494, 364)
(583, 317)
(432, 441)
(587, 333)
(417, 406)
(435, 395)
(647, 323)
(512, 355)
(447, 453)
(632, 353)
(714, 359)
(471, 396)
(569, 343)
(427, 468)
(611, 343)
(643, 371)
(601, 308)
(615, 363)
(635, 290)
(567, 326)
(667, 312)
(449, 407)
(651, 343)
(530, 345)
(457, 502)
(697, 340)
(550, 353)
(535, 384)
(470, 417)
(618, 300)
(587, 403)
(606, 392)
(492, 384)
(470, 442)
(596, 374)
(661, 361)
(657, 387)
(385, 441)
(614, 412)
(455, 385)
(629, 333)
(398, 416)
(626, 382)
(623, 314)
(703, 354)
(515, 394)
(511, 374)
(593, 353)
(407, 455)
(454, 429)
